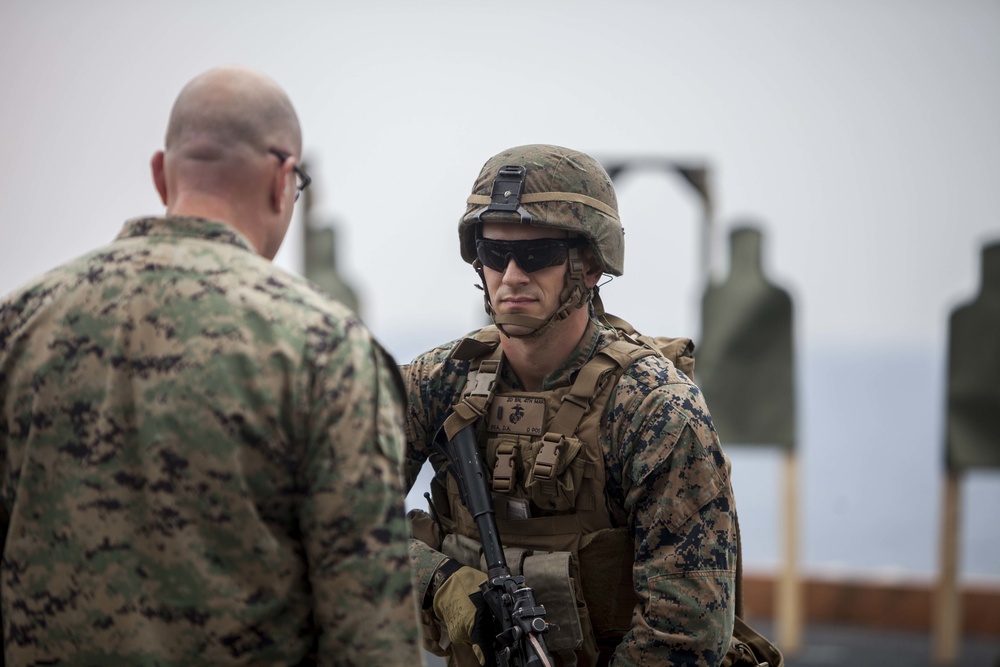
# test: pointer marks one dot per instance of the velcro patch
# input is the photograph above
(520, 415)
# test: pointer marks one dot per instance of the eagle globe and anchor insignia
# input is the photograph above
(518, 415)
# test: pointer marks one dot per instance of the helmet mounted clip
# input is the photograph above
(505, 196)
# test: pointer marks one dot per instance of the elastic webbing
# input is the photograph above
(539, 197)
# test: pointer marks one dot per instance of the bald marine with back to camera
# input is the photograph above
(199, 452)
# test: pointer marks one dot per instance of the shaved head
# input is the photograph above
(232, 108)
(231, 146)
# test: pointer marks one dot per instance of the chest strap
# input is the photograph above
(503, 471)
(589, 382)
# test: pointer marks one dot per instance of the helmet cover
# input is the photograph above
(562, 189)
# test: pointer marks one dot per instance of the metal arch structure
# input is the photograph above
(698, 175)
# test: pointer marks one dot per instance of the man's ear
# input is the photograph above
(593, 277)
(280, 186)
(593, 271)
(159, 177)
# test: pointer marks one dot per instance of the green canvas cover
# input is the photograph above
(973, 413)
(745, 356)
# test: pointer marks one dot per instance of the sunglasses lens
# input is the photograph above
(492, 256)
(531, 255)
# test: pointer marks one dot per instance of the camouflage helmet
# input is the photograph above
(559, 188)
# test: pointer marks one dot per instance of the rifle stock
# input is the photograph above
(521, 641)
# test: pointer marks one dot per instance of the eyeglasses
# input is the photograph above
(302, 179)
(531, 255)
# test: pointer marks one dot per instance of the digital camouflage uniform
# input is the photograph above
(667, 481)
(200, 464)
(654, 499)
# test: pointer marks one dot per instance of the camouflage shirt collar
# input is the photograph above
(594, 338)
(584, 352)
(184, 227)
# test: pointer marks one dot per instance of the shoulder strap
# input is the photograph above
(482, 378)
(610, 360)
(483, 342)
(680, 351)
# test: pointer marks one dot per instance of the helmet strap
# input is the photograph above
(597, 303)
(574, 295)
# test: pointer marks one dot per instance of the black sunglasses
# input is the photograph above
(531, 255)
(302, 179)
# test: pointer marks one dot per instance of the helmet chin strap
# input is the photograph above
(574, 295)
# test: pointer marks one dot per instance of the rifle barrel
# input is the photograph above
(512, 602)
(465, 454)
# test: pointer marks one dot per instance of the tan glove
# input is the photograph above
(458, 602)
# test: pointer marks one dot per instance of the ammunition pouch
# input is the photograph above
(554, 577)
(550, 470)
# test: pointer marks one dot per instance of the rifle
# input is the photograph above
(521, 619)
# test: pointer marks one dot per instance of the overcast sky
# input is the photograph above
(861, 136)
